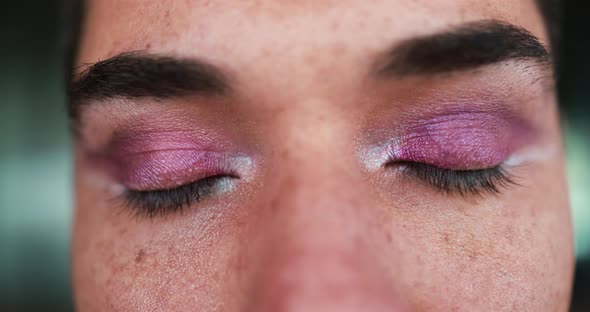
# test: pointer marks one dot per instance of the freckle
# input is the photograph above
(339, 49)
(140, 256)
(361, 25)
(310, 60)
(118, 268)
(266, 52)
(274, 204)
(335, 26)
(148, 45)
(123, 231)
(473, 255)
(447, 238)
(388, 237)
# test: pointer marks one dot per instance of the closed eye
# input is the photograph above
(462, 182)
(168, 201)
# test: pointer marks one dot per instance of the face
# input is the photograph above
(318, 156)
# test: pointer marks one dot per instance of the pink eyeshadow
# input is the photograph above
(167, 169)
(150, 160)
(459, 140)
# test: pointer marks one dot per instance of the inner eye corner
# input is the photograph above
(232, 175)
(394, 163)
(402, 163)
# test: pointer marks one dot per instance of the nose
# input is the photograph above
(320, 251)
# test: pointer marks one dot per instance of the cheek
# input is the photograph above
(471, 268)
(509, 253)
(121, 264)
(152, 276)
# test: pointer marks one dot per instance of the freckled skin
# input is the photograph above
(313, 230)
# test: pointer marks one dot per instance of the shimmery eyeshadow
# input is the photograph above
(460, 140)
(536, 153)
(167, 169)
(464, 141)
(150, 160)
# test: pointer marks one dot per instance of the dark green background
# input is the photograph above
(35, 160)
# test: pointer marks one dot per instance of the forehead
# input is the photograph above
(222, 30)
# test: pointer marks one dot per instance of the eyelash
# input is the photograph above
(169, 201)
(462, 182)
(448, 181)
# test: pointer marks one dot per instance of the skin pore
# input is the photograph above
(318, 156)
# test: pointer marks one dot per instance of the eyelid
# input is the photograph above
(465, 158)
(456, 142)
(463, 132)
(165, 169)
(446, 145)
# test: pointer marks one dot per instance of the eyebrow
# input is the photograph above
(138, 74)
(465, 47)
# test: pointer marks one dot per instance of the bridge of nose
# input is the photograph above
(314, 187)
(316, 237)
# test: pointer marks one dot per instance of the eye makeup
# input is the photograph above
(453, 139)
(536, 153)
(454, 149)
(465, 140)
(170, 168)
(154, 159)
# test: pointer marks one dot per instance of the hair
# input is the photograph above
(74, 12)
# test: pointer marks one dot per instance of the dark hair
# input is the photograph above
(74, 11)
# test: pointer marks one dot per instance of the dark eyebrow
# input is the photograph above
(137, 75)
(465, 47)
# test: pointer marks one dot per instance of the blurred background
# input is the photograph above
(35, 160)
